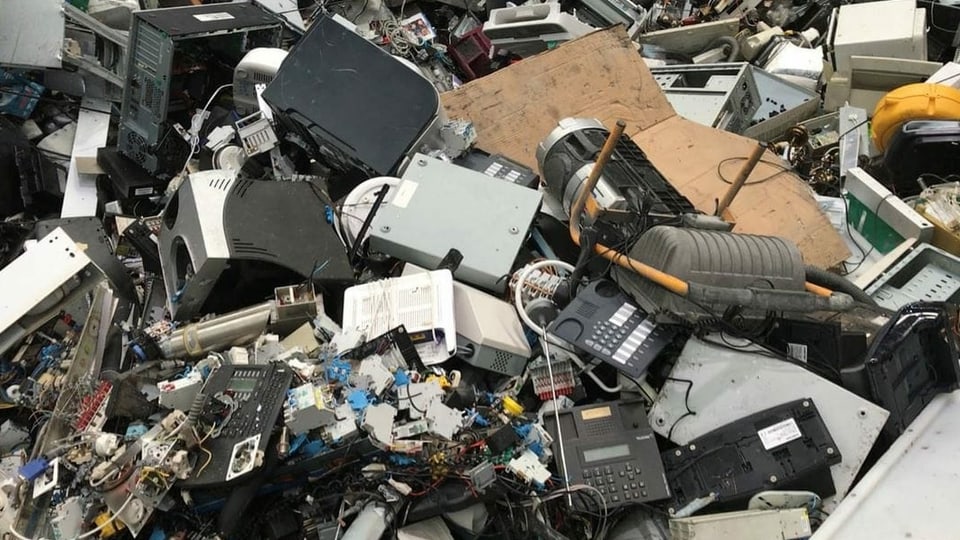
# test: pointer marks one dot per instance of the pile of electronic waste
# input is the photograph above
(258, 283)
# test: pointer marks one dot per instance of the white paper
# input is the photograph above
(208, 17)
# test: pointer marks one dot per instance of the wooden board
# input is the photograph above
(601, 75)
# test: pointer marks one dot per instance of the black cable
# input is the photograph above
(634, 381)
(726, 328)
(863, 253)
(755, 182)
(851, 130)
(876, 213)
(825, 371)
(686, 403)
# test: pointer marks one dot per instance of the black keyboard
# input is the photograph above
(260, 391)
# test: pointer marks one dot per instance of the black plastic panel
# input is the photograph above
(735, 462)
(912, 359)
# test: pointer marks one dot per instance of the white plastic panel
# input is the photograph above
(911, 492)
(80, 195)
(37, 273)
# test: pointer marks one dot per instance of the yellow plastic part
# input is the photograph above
(511, 407)
(441, 380)
(110, 529)
(920, 101)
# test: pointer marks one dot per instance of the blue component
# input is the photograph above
(523, 431)
(478, 419)
(358, 400)
(49, 356)
(338, 370)
(297, 443)
(139, 352)
(135, 431)
(33, 469)
(314, 448)
(158, 534)
(400, 378)
(328, 213)
(50, 352)
(537, 448)
(532, 337)
(402, 460)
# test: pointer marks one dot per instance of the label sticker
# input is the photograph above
(143, 191)
(797, 351)
(597, 412)
(404, 193)
(209, 17)
(779, 433)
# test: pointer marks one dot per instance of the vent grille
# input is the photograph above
(249, 248)
(262, 77)
(597, 428)
(156, 100)
(501, 362)
(587, 310)
(242, 187)
(136, 146)
(222, 183)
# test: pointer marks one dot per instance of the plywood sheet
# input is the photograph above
(601, 75)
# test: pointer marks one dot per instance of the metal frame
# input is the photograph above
(728, 100)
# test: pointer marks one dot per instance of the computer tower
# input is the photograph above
(176, 58)
(361, 110)
(226, 243)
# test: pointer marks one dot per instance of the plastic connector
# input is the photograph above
(511, 407)
(32, 469)
(358, 400)
(109, 527)
(338, 370)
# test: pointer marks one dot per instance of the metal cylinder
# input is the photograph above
(629, 180)
(566, 157)
(218, 333)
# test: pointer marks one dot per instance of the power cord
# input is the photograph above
(196, 124)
